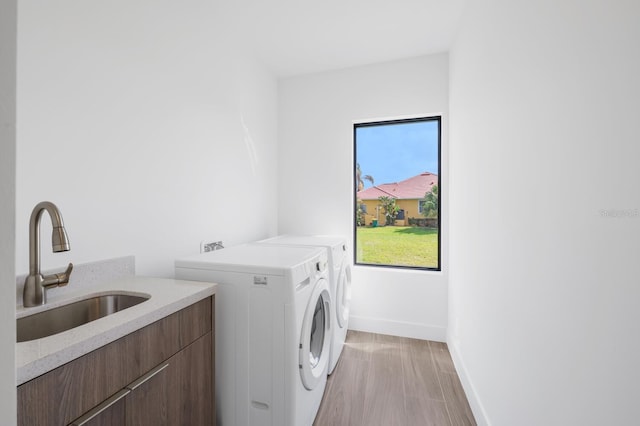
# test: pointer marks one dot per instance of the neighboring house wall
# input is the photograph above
(410, 208)
(372, 212)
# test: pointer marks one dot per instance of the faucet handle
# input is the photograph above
(58, 280)
(63, 278)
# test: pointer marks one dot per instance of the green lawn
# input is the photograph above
(398, 245)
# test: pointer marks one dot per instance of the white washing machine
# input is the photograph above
(273, 327)
(339, 277)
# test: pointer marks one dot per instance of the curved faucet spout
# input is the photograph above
(35, 284)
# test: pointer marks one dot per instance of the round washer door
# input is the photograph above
(316, 336)
(343, 294)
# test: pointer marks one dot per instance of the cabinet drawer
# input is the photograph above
(62, 395)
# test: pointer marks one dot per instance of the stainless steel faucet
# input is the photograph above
(35, 284)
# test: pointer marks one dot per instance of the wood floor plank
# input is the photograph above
(456, 400)
(421, 378)
(442, 357)
(343, 402)
(426, 412)
(384, 395)
(355, 336)
(358, 344)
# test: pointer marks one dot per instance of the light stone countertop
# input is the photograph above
(168, 296)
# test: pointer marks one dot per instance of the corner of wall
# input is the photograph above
(469, 389)
(412, 330)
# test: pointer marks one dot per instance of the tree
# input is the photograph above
(430, 199)
(391, 209)
(360, 179)
(360, 215)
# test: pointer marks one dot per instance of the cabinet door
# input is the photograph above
(178, 392)
(148, 402)
(191, 389)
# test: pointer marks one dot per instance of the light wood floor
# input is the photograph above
(393, 381)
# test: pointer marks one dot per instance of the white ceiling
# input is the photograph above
(304, 36)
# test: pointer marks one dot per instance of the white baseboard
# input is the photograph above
(472, 396)
(398, 328)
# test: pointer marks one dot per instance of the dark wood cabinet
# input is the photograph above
(161, 374)
(167, 397)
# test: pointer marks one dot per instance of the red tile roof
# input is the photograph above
(412, 188)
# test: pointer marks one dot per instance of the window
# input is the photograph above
(397, 193)
(421, 204)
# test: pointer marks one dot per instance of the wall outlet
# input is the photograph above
(210, 246)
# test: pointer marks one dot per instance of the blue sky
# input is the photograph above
(394, 152)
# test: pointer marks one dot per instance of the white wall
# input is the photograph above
(7, 209)
(147, 124)
(544, 320)
(316, 114)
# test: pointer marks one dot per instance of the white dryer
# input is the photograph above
(339, 277)
(273, 331)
